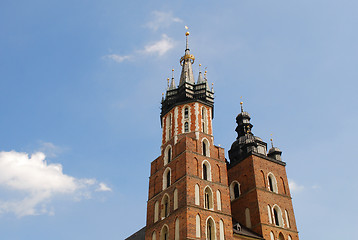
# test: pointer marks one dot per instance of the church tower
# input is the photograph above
(188, 192)
(260, 195)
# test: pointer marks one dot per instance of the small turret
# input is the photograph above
(274, 152)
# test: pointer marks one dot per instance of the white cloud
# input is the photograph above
(294, 187)
(162, 20)
(30, 183)
(103, 188)
(50, 149)
(117, 58)
(160, 47)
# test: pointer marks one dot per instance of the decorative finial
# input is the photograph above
(241, 103)
(168, 82)
(173, 73)
(199, 67)
(271, 140)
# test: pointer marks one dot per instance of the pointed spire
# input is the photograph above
(206, 81)
(200, 78)
(167, 83)
(172, 84)
(212, 87)
(186, 61)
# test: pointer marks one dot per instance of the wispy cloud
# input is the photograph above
(295, 187)
(103, 188)
(50, 149)
(117, 58)
(30, 183)
(160, 47)
(162, 20)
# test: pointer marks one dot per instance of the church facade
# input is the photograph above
(194, 192)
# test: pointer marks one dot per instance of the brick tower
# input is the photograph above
(195, 193)
(260, 196)
(188, 192)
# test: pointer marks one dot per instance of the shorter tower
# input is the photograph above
(260, 195)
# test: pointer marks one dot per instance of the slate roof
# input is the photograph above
(140, 235)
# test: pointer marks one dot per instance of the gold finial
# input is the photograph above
(241, 103)
(212, 84)
(173, 70)
(187, 34)
(271, 140)
(199, 64)
(168, 81)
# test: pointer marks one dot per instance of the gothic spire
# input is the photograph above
(172, 84)
(186, 61)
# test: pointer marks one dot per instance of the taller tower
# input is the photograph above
(188, 193)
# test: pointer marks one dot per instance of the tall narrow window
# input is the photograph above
(156, 211)
(197, 226)
(177, 229)
(186, 113)
(154, 236)
(169, 155)
(165, 206)
(168, 179)
(287, 219)
(205, 172)
(204, 148)
(277, 214)
(210, 229)
(175, 199)
(186, 127)
(248, 218)
(221, 226)
(208, 198)
(164, 234)
(204, 120)
(272, 236)
(197, 197)
(289, 237)
(269, 213)
(218, 199)
(234, 190)
(272, 183)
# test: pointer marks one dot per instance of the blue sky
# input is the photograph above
(80, 91)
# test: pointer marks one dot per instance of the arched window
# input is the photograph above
(269, 213)
(277, 214)
(208, 198)
(287, 219)
(205, 147)
(175, 199)
(164, 234)
(154, 236)
(166, 178)
(206, 170)
(197, 197)
(186, 113)
(218, 199)
(248, 218)
(165, 206)
(156, 211)
(272, 236)
(219, 172)
(197, 226)
(263, 178)
(210, 229)
(272, 183)
(177, 229)
(221, 227)
(281, 237)
(186, 127)
(167, 154)
(234, 190)
(289, 237)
